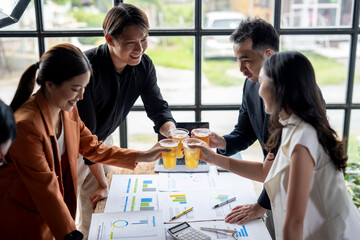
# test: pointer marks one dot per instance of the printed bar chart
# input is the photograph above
(141, 222)
(147, 186)
(145, 204)
(179, 198)
(241, 232)
(136, 183)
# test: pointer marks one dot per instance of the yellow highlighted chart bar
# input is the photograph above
(180, 198)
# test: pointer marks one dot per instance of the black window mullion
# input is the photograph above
(197, 56)
(198, 33)
(39, 26)
(277, 14)
(123, 126)
(351, 73)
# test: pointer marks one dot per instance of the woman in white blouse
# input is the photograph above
(305, 181)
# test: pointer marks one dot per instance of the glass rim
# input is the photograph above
(181, 129)
(185, 141)
(169, 140)
(201, 129)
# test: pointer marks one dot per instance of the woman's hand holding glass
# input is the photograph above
(152, 154)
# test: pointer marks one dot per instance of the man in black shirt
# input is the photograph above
(254, 41)
(121, 73)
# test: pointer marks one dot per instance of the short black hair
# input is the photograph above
(123, 15)
(262, 34)
(7, 123)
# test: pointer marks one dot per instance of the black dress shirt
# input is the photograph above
(252, 125)
(110, 95)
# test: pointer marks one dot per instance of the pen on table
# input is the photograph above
(217, 230)
(182, 213)
(226, 202)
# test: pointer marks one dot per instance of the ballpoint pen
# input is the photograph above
(182, 213)
(233, 232)
(226, 202)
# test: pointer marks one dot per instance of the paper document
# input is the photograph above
(132, 193)
(172, 203)
(131, 202)
(122, 183)
(211, 180)
(182, 181)
(146, 225)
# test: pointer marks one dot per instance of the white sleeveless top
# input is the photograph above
(330, 213)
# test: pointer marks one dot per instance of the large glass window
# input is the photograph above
(164, 14)
(222, 80)
(26, 22)
(354, 137)
(71, 15)
(227, 13)
(329, 55)
(16, 54)
(356, 95)
(190, 47)
(84, 43)
(174, 61)
(316, 13)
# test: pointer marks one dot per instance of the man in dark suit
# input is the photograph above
(254, 40)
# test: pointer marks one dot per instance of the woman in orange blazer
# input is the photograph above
(38, 188)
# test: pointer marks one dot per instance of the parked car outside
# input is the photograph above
(220, 46)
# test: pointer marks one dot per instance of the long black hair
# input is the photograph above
(295, 88)
(58, 65)
(7, 123)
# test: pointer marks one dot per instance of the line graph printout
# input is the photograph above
(131, 202)
(127, 226)
(253, 230)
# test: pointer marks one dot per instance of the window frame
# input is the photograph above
(198, 32)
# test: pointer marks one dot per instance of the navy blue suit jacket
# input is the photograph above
(252, 125)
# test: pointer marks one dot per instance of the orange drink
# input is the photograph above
(191, 154)
(202, 134)
(169, 158)
(179, 134)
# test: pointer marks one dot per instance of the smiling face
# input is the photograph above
(249, 60)
(127, 48)
(65, 96)
(267, 91)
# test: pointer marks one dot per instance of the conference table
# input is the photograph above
(256, 229)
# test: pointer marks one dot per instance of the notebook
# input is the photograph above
(180, 163)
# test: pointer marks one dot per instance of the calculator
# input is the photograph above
(184, 231)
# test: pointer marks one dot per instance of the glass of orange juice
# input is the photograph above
(192, 155)
(179, 134)
(202, 134)
(169, 158)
